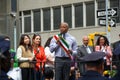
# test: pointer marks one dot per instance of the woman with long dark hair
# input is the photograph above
(102, 44)
(25, 55)
(39, 55)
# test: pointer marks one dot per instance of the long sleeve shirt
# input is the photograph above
(71, 42)
(19, 55)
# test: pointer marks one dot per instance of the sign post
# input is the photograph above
(108, 33)
(105, 14)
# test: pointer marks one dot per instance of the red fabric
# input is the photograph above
(40, 57)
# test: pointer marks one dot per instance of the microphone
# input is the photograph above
(38, 50)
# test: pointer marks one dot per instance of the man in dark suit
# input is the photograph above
(83, 50)
(94, 64)
(116, 52)
(116, 47)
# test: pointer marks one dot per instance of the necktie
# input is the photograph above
(64, 36)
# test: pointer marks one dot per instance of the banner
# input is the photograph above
(63, 44)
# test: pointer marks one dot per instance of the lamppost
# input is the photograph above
(13, 15)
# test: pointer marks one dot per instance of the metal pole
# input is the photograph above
(107, 32)
(15, 34)
(107, 18)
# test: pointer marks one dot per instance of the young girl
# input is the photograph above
(25, 56)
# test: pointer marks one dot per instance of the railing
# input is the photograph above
(77, 72)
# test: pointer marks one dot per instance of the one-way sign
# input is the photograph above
(111, 12)
(111, 22)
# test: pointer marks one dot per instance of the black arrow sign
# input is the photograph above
(111, 12)
(111, 22)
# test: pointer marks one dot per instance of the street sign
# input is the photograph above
(111, 12)
(111, 22)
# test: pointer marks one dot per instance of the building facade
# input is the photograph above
(8, 18)
(44, 17)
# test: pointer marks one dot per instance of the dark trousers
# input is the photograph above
(72, 76)
(39, 75)
(27, 73)
(62, 68)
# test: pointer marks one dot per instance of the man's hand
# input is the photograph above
(70, 51)
(58, 41)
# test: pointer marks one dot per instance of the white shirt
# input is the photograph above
(19, 55)
(51, 55)
(88, 50)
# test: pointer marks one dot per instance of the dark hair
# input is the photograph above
(23, 44)
(48, 42)
(34, 36)
(48, 73)
(105, 38)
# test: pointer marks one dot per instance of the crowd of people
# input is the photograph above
(61, 57)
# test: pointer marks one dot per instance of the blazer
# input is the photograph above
(82, 51)
(116, 48)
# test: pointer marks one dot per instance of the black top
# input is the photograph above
(3, 76)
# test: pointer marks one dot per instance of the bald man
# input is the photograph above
(83, 50)
(62, 59)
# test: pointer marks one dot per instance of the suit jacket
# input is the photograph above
(116, 48)
(92, 75)
(82, 51)
(115, 44)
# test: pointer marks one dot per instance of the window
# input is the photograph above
(14, 5)
(26, 12)
(46, 19)
(57, 17)
(37, 22)
(101, 4)
(27, 24)
(90, 14)
(20, 24)
(20, 13)
(78, 15)
(68, 15)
